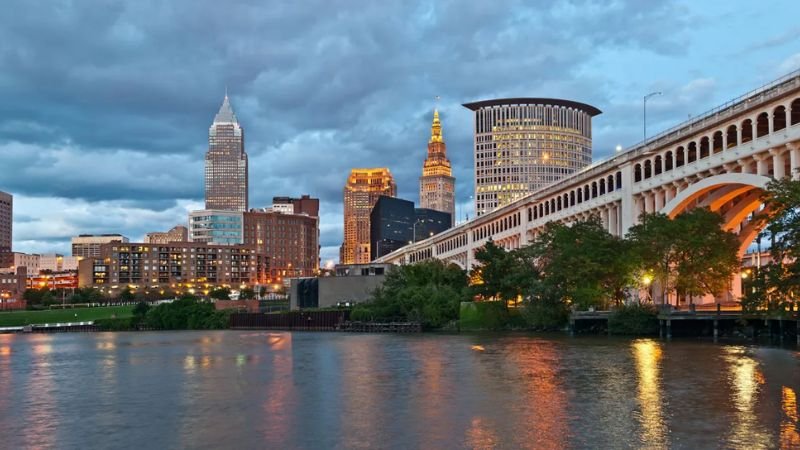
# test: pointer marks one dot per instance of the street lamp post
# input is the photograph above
(414, 231)
(644, 108)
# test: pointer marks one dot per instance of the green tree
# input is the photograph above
(690, 255)
(429, 292)
(247, 294)
(777, 283)
(141, 309)
(582, 264)
(707, 255)
(220, 293)
(497, 274)
(127, 295)
(653, 244)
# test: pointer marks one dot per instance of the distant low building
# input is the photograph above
(193, 267)
(55, 280)
(27, 260)
(178, 233)
(55, 262)
(88, 245)
(351, 284)
(12, 286)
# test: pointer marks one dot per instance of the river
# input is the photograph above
(251, 389)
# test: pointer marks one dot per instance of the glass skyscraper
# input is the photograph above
(226, 163)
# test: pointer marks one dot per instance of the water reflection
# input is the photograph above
(647, 354)
(790, 438)
(40, 414)
(481, 435)
(745, 380)
(278, 390)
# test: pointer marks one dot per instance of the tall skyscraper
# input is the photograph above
(226, 162)
(525, 144)
(6, 219)
(437, 185)
(363, 188)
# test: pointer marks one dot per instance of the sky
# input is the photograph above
(105, 105)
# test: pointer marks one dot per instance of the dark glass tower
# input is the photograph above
(226, 163)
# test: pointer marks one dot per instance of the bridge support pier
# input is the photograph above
(716, 330)
(669, 329)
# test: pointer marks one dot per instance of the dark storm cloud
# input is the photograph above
(111, 101)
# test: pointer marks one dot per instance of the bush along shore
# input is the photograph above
(186, 313)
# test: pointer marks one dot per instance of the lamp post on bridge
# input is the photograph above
(644, 108)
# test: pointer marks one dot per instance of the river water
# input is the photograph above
(250, 389)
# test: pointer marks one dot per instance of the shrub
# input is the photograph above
(636, 319)
(545, 314)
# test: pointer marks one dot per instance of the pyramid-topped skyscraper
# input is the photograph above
(226, 162)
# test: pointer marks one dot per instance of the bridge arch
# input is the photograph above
(722, 189)
(681, 201)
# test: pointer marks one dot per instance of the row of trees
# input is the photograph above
(187, 313)
(775, 286)
(584, 265)
(45, 297)
(580, 266)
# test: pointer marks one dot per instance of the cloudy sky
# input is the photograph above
(105, 105)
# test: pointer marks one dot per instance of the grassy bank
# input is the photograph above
(21, 318)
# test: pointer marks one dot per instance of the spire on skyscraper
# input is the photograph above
(225, 114)
(436, 128)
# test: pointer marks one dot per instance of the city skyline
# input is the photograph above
(96, 152)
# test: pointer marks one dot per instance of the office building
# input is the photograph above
(88, 245)
(363, 188)
(304, 205)
(395, 223)
(226, 181)
(289, 237)
(524, 144)
(178, 233)
(55, 262)
(6, 228)
(193, 267)
(29, 261)
(216, 227)
(437, 185)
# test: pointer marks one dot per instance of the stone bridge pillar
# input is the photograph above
(628, 215)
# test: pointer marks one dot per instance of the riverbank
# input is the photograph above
(24, 318)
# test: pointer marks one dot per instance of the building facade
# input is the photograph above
(12, 287)
(6, 228)
(88, 245)
(55, 262)
(363, 188)
(216, 227)
(437, 185)
(289, 239)
(524, 144)
(395, 223)
(226, 181)
(178, 233)
(193, 267)
(391, 224)
(351, 284)
(27, 260)
(6, 221)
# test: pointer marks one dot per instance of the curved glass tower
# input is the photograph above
(524, 144)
